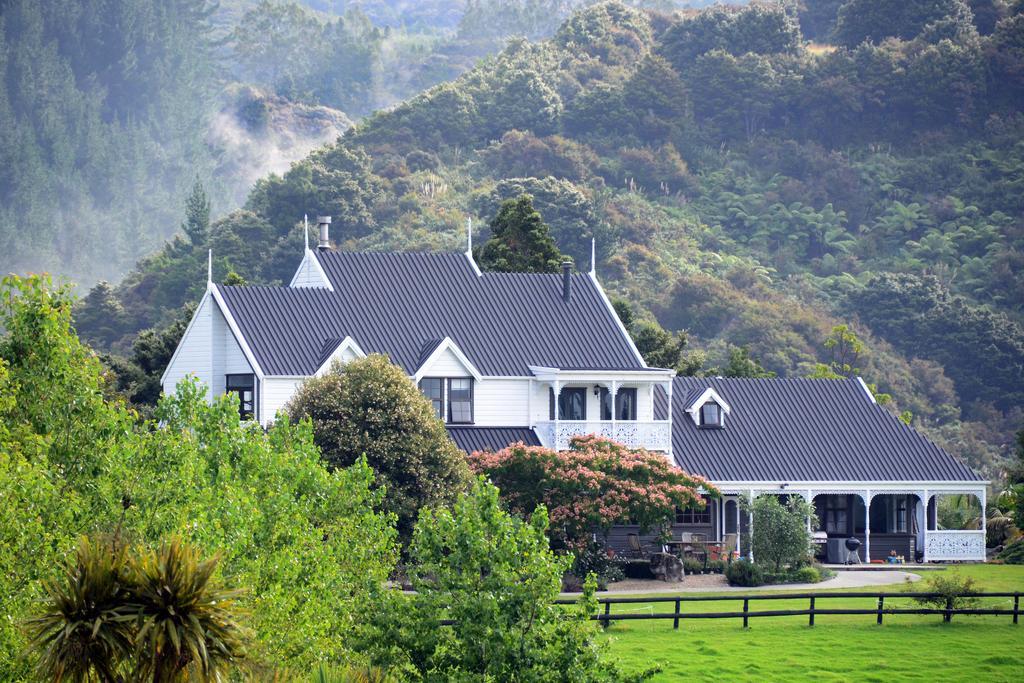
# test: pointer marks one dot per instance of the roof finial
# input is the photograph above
(209, 267)
(593, 257)
(305, 229)
(469, 236)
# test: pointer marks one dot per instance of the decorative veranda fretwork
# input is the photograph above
(652, 435)
(954, 545)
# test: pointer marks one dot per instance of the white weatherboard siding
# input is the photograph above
(445, 364)
(209, 351)
(310, 274)
(277, 391)
(228, 357)
(347, 351)
(501, 403)
(194, 355)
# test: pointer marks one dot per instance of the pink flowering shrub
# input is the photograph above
(594, 485)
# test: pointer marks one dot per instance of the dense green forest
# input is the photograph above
(109, 111)
(745, 185)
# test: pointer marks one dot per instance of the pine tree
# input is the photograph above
(197, 215)
(520, 241)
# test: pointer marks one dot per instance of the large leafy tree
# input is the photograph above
(594, 485)
(369, 409)
(520, 241)
(876, 20)
(758, 28)
(304, 541)
(493, 576)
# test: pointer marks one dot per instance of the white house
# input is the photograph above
(540, 358)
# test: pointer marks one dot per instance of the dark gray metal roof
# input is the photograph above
(401, 304)
(803, 430)
(472, 439)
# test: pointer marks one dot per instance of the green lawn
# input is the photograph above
(837, 648)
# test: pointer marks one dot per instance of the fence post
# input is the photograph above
(607, 611)
(810, 620)
(881, 604)
(675, 622)
(746, 606)
(948, 616)
(1016, 606)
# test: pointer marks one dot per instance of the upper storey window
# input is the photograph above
(625, 404)
(451, 398)
(711, 415)
(460, 400)
(433, 389)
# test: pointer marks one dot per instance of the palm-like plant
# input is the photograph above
(187, 628)
(86, 631)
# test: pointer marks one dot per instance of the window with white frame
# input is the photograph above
(460, 400)
(711, 415)
(433, 389)
(450, 397)
(244, 387)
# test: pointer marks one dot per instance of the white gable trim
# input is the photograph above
(615, 316)
(472, 262)
(866, 389)
(346, 344)
(233, 326)
(309, 260)
(708, 394)
(188, 328)
(447, 345)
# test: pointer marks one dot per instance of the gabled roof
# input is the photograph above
(790, 430)
(399, 303)
(472, 439)
(335, 348)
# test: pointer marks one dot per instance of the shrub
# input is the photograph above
(744, 573)
(1013, 553)
(1000, 530)
(161, 616)
(780, 537)
(716, 566)
(595, 559)
(806, 574)
(951, 585)
(692, 566)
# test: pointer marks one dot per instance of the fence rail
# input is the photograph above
(947, 612)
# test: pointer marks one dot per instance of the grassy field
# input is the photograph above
(837, 648)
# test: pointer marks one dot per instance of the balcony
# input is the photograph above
(954, 545)
(655, 435)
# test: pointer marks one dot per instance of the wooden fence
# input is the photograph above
(813, 608)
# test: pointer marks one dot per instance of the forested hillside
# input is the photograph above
(109, 111)
(744, 185)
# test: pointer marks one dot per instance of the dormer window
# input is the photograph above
(708, 409)
(711, 415)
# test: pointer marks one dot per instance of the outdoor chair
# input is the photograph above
(697, 547)
(726, 550)
(636, 548)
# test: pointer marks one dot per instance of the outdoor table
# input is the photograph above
(690, 546)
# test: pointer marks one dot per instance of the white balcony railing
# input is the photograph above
(655, 435)
(954, 545)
